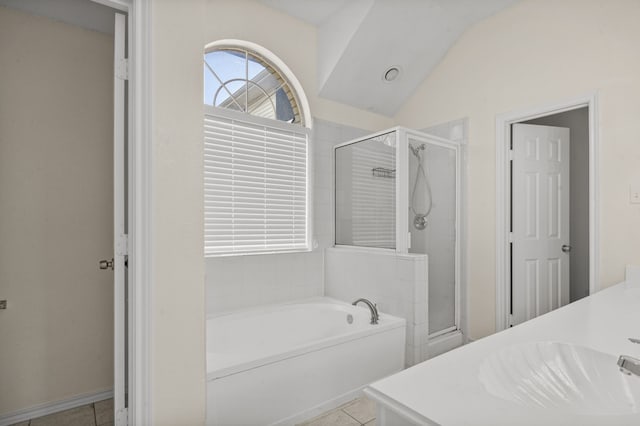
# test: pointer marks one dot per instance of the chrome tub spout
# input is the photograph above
(372, 307)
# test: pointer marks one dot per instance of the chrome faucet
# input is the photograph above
(372, 307)
(629, 365)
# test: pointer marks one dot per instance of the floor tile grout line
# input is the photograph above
(359, 422)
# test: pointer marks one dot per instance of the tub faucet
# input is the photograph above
(629, 365)
(372, 307)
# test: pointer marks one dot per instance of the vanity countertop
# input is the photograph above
(447, 389)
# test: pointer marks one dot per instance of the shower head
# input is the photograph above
(416, 150)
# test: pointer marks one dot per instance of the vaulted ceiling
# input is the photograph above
(359, 40)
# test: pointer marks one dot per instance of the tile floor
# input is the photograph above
(96, 414)
(361, 411)
(358, 412)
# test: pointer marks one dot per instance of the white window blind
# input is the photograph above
(256, 184)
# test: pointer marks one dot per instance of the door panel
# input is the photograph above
(540, 220)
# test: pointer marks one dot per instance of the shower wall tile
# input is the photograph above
(420, 310)
(397, 284)
(237, 282)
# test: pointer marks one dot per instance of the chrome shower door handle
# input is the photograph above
(566, 248)
(106, 264)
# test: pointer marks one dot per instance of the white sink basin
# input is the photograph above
(563, 377)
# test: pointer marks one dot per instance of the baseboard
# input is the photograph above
(54, 407)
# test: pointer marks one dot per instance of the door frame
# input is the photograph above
(503, 194)
(140, 206)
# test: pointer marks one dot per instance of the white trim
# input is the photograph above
(54, 407)
(444, 331)
(365, 137)
(141, 212)
(463, 296)
(121, 5)
(402, 192)
(119, 233)
(254, 119)
(445, 343)
(457, 147)
(503, 137)
(280, 66)
(140, 206)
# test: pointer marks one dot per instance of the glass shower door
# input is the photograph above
(432, 219)
(366, 192)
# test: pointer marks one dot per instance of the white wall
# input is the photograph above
(178, 340)
(535, 53)
(56, 210)
(180, 32)
(578, 123)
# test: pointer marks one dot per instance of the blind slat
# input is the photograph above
(256, 180)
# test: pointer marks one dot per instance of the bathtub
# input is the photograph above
(282, 364)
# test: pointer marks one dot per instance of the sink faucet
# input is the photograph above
(372, 307)
(629, 365)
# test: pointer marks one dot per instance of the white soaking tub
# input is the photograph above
(285, 363)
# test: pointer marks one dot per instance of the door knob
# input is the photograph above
(106, 264)
(566, 248)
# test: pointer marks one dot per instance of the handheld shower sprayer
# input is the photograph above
(420, 219)
(416, 151)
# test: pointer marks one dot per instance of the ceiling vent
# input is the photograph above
(391, 74)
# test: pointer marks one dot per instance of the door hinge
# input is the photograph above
(510, 155)
(510, 237)
(409, 240)
(122, 245)
(122, 69)
(122, 417)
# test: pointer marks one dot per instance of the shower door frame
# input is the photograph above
(402, 197)
(402, 194)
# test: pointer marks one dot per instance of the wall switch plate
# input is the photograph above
(634, 193)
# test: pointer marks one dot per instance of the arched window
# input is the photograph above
(256, 153)
(241, 80)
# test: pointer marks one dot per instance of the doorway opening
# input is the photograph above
(546, 209)
(78, 157)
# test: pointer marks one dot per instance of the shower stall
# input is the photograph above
(400, 190)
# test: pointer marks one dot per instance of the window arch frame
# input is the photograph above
(277, 64)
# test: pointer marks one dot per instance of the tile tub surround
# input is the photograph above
(396, 283)
(432, 390)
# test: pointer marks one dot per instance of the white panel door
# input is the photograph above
(119, 229)
(540, 220)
